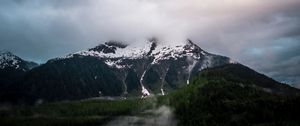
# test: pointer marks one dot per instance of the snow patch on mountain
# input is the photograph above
(119, 55)
(130, 52)
(113, 54)
(165, 52)
(115, 63)
(192, 63)
(162, 91)
(7, 59)
(145, 92)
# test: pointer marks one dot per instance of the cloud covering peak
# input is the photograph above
(263, 34)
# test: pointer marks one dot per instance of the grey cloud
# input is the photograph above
(43, 29)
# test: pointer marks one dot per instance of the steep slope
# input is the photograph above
(10, 61)
(73, 78)
(117, 69)
(245, 76)
(12, 69)
(229, 95)
(235, 95)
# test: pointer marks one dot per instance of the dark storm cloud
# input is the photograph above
(263, 34)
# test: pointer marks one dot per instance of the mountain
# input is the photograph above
(245, 76)
(12, 69)
(234, 94)
(221, 92)
(10, 61)
(227, 95)
(118, 69)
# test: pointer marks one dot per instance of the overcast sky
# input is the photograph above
(262, 34)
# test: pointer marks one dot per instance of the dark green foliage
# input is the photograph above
(71, 79)
(8, 77)
(90, 112)
(176, 77)
(83, 75)
(220, 96)
(11, 75)
(244, 75)
(152, 80)
(151, 77)
(55, 121)
(132, 81)
(231, 95)
(171, 77)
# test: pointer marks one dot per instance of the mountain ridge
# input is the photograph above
(8, 59)
(116, 69)
(12, 70)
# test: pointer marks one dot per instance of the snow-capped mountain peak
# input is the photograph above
(118, 69)
(113, 49)
(164, 52)
(9, 60)
(116, 54)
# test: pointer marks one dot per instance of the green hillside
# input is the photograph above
(231, 95)
(235, 95)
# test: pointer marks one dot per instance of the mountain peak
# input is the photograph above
(153, 68)
(191, 43)
(6, 53)
(10, 60)
(153, 49)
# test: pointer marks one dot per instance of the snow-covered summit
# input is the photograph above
(9, 60)
(165, 52)
(113, 49)
(113, 53)
(118, 69)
